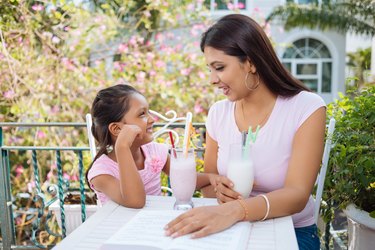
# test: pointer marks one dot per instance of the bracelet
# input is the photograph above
(245, 209)
(268, 206)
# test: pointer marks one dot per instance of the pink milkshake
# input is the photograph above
(183, 178)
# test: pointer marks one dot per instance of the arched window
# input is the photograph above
(310, 61)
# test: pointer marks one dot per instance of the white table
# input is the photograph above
(271, 234)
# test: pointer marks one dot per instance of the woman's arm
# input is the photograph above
(303, 168)
(220, 187)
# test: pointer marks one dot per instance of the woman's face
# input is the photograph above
(228, 73)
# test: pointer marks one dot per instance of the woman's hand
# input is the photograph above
(206, 220)
(223, 188)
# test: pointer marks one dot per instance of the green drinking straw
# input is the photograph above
(251, 137)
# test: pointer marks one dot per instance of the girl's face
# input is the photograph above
(139, 115)
(228, 73)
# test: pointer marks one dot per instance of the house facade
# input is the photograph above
(315, 57)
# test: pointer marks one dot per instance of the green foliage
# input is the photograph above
(350, 15)
(359, 62)
(351, 171)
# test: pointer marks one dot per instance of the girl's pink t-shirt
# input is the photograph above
(156, 155)
(273, 147)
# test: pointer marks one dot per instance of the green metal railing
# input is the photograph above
(55, 191)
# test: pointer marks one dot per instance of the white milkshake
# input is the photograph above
(241, 169)
(241, 173)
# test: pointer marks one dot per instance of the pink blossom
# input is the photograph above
(201, 75)
(40, 135)
(156, 164)
(55, 39)
(179, 47)
(67, 63)
(19, 170)
(152, 73)
(74, 177)
(133, 41)
(66, 176)
(185, 72)
(192, 56)
(170, 35)
(256, 9)
(198, 108)
(194, 32)
(55, 109)
(117, 66)
(30, 186)
(159, 37)
(20, 40)
(84, 69)
(136, 54)
(230, 6)
(141, 76)
(241, 5)
(37, 7)
(146, 13)
(9, 94)
(160, 64)
(150, 56)
(53, 166)
(141, 40)
(50, 175)
(190, 6)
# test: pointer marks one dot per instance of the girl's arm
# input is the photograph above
(129, 191)
(303, 168)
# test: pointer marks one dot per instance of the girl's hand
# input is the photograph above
(223, 188)
(127, 135)
(206, 220)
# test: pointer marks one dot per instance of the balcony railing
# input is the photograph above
(43, 198)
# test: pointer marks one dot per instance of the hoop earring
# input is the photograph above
(256, 84)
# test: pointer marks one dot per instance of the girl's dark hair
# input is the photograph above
(110, 105)
(240, 36)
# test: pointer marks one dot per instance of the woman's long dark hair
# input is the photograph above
(240, 36)
(110, 105)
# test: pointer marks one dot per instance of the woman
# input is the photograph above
(289, 146)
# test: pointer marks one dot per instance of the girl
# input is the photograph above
(128, 164)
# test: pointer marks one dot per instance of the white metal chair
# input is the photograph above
(323, 169)
(170, 118)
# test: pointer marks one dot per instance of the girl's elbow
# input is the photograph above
(134, 204)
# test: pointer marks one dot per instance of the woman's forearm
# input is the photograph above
(282, 202)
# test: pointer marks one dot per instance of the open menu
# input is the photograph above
(145, 231)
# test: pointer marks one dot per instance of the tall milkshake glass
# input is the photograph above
(183, 177)
(240, 169)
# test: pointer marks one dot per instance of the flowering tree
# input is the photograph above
(55, 57)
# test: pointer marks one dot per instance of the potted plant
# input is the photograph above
(350, 182)
(72, 208)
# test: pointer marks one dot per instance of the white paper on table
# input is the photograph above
(145, 231)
